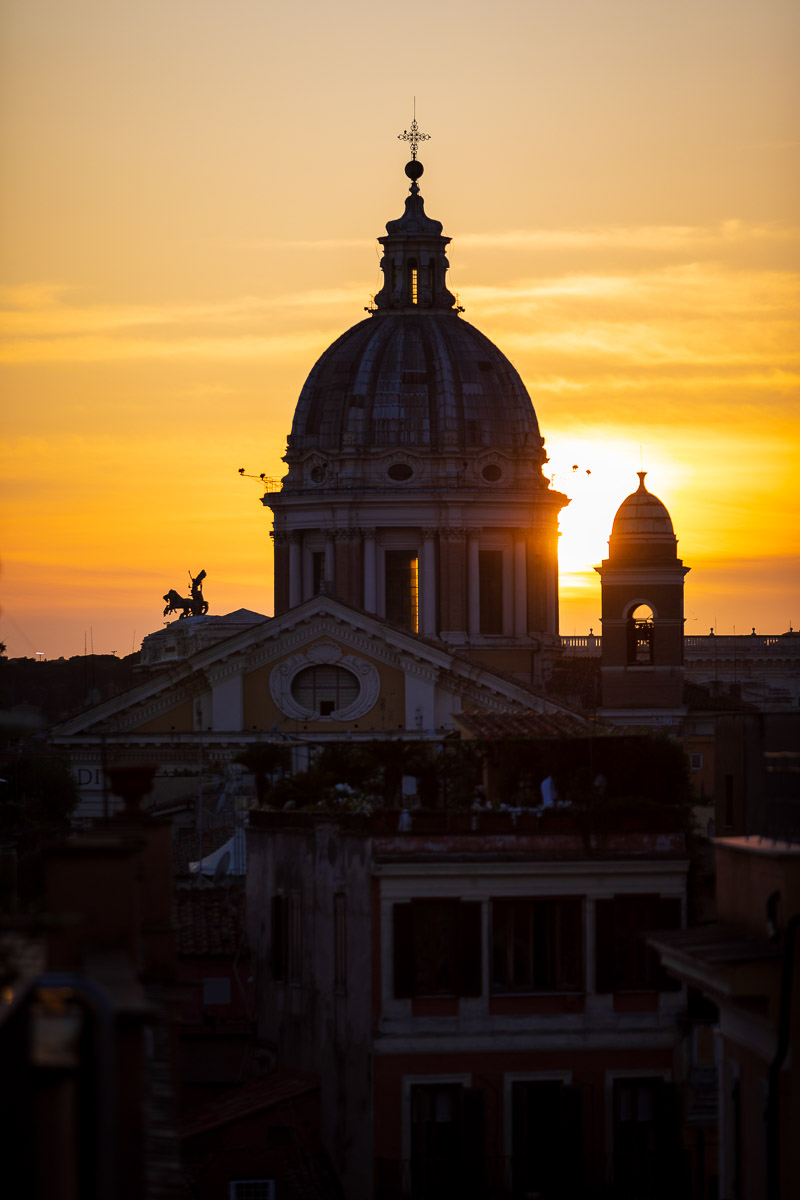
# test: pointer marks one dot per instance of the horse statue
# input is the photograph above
(188, 606)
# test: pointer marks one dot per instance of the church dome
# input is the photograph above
(642, 525)
(421, 380)
(415, 489)
(416, 381)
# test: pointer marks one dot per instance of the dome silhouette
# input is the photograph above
(642, 527)
(414, 380)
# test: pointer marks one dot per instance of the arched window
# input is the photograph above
(640, 636)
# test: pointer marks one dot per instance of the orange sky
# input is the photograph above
(191, 196)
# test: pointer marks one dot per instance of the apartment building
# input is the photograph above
(476, 995)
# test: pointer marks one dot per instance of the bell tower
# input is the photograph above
(642, 605)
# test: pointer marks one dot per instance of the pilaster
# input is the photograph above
(427, 583)
(281, 584)
(473, 583)
(370, 571)
(295, 569)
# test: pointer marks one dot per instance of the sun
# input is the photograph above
(597, 474)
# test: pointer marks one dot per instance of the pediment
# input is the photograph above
(274, 651)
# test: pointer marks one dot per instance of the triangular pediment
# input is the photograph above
(243, 685)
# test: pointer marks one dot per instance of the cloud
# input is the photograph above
(304, 244)
(45, 323)
(659, 238)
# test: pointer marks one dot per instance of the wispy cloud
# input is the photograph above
(47, 323)
(639, 237)
(700, 317)
(303, 244)
(98, 349)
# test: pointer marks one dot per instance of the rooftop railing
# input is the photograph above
(726, 644)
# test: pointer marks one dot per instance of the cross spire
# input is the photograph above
(413, 135)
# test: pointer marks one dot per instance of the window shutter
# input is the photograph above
(403, 950)
(671, 1160)
(570, 1113)
(470, 957)
(668, 913)
(570, 971)
(279, 937)
(473, 1137)
(668, 916)
(605, 973)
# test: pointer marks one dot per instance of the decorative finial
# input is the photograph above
(641, 475)
(413, 135)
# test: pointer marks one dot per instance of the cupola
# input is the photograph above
(414, 262)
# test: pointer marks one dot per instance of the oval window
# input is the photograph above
(324, 688)
(492, 473)
(400, 472)
(317, 474)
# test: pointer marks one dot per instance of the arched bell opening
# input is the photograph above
(640, 636)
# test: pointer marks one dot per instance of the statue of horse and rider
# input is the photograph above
(188, 606)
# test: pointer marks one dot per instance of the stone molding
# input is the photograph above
(193, 688)
(284, 674)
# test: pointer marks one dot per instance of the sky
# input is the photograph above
(191, 196)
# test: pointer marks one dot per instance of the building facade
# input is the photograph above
(477, 998)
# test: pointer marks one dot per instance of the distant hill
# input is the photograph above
(63, 686)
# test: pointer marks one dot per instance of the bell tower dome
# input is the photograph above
(642, 605)
(414, 487)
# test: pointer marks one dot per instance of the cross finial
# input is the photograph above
(413, 134)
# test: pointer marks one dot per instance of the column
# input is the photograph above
(370, 571)
(427, 583)
(473, 583)
(552, 593)
(295, 570)
(520, 588)
(330, 562)
(281, 569)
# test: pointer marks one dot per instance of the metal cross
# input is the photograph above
(413, 136)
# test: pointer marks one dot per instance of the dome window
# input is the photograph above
(413, 281)
(402, 588)
(492, 473)
(325, 688)
(318, 474)
(400, 472)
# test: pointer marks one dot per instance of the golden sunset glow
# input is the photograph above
(192, 193)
